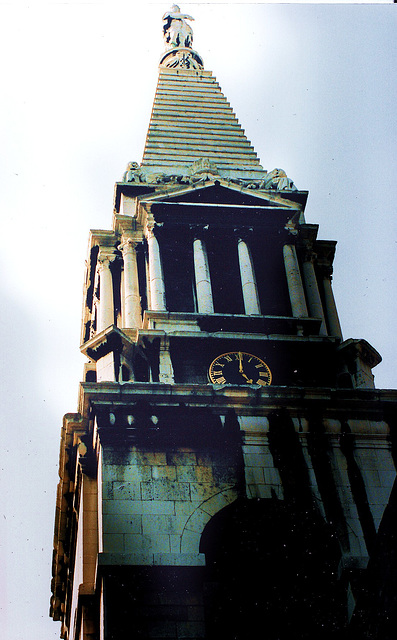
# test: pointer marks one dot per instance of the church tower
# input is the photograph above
(230, 465)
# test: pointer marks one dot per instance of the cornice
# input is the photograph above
(338, 404)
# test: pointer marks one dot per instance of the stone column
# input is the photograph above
(202, 277)
(156, 278)
(248, 281)
(294, 280)
(334, 328)
(105, 307)
(166, 371)
(132, 304)
(312, 292)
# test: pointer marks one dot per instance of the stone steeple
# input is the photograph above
(191, 118)
(230, 460)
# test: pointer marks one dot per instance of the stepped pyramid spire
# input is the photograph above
(191, 120)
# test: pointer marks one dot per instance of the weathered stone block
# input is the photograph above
(165, 490)
(175, 543)
(138, 507)
(213, 459)
(124, 456)
(271, 476)
(256, 448)
(254, 423)
(338, 460)
(113, 543)
(182, 458)
(385, 460)
(168, 472)
(254, 475)
(137, 543)
(224, 475)
(197, 522)
(387, 477)
(371, 477)
(185, 509)
(90, 500)
(366, 458)
(378, 495)
(122, 524)
(202, 491)
(126, 491)
(258, 460)
(118, 455)
(377, 511)
(126, 473)
(219, 500)
(125, 559)
(107, 491)
(90, 537)
(153, 458)
(179, 560)
(166, 524)
(265, 491)
(190, 542)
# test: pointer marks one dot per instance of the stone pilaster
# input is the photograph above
(248, 280)
(132, 306)
(105, 306)
(294, 280)
(312, 291)
(166, 371)
(156, 277)
(325, 254)
(334, 328)
(205, 302)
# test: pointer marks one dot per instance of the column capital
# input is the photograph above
(307, 253)
(153, 228)
(325, 251)
(326, 270)
(128, 243)
(105, 258)
(243, 234)
(199, 231)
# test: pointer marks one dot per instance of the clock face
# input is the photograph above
(239, 367)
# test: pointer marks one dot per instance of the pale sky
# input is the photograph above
(313, 85)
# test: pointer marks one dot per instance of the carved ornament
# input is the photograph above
(277, 180)
(133, 173)
(182, 58)
(201, 169)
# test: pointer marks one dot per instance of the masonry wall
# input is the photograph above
(350, 483)
(156, 503)
(160, 503)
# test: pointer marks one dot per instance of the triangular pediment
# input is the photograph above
(219, 192)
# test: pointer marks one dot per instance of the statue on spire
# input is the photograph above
(177, 32)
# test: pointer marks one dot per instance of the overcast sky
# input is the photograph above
(314, 86)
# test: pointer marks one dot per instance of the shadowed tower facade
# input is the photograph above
(229, 471)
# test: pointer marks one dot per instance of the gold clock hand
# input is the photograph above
(247, 378)
(240, 366)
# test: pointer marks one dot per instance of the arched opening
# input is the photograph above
(271, 573)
